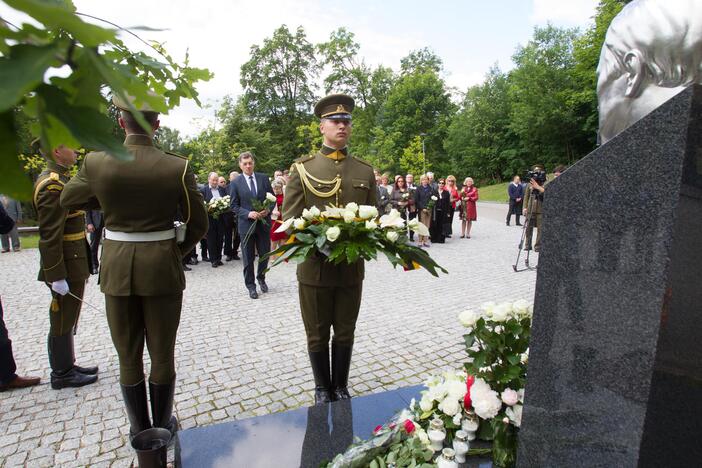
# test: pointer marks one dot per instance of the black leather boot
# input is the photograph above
(341, 361)
(63, 372)
(162, 405)
(319, 361)
(91, 370)
(137, 408)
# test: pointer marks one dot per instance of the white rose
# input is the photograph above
(456, 389)
(500, 312)
(286, 225)
(521, 307)
(486, 402)
(487, 308)
(314, 211)
(392, 219)
(468, 318)
(520, 393)
(514, 413)
(392, 236)
(299, 223)
(449, 406)
(509, 397)
(371, 225)
(524, 358)
(307, 214)
(418, 227)
(421, 435)
(352, 207)
(367, 212)
(333, 233)
(349, 216)
(426, 404)
(434, 198)
(270, 197)
(457, 419)
(332, 212)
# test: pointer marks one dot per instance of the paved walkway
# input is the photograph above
(238, 358)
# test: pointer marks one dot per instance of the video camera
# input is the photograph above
(538, 175)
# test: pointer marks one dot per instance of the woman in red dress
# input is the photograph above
(469, 212)
(277, 238)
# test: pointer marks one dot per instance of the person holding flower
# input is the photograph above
(455, 199)
(247, 190)
(441, 214)
(401, 198)
(469, 211)
(330, 294)
(424, 204)
(277, 238)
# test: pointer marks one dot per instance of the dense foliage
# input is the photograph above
(544, 110)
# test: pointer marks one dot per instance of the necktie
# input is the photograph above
(252, 185)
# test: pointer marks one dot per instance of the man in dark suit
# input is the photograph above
(515, 190)
(243, 189)
(94, 224)
(215, 233)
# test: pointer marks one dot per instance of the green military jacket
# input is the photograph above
(146, 194)
(536, 203)
(357, 185)
(63, 248)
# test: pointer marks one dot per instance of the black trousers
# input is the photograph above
(259, 241)
(203, 248)
(7, 361)
(515, 208)
(95, 238)
(215, 239)
(228, 223)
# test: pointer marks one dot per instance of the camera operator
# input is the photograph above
(533, 199)
(534, 193)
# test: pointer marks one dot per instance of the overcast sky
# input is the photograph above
(469, 35)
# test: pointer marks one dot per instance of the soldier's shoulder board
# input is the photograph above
(54, 176)
(362, 161)
(304, 159)
(53, 187)
(175, 154)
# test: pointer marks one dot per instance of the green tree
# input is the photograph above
(279, 84)
(71, 109)
(412, 159)
(169, 139)
(421, 61)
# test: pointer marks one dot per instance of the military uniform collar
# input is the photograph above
(139, 140)
(53, 166)
(336, 155)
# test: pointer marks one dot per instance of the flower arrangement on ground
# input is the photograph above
(351, 233)
(218, 206)
(484, 400)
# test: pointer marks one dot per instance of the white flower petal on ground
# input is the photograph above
(333, 233)
(300, 223)
(367, 212)
(286, 225)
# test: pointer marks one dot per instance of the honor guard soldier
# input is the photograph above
(140, 269)
(65, 267)
(330, 295)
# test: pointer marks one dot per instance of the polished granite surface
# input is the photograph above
(304, 437)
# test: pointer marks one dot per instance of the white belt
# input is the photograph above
(140, 236)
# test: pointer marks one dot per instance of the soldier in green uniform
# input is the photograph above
(533, 199)
(140, 269)
(65, 267)
(330, 295)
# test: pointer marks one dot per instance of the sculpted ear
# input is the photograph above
(635, 70)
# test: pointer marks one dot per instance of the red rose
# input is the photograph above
(409, 426)
(377, 429)
(467, 402)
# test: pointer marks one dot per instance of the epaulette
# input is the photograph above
(54, 176)
(306, 158)
(50, 184)
(363, 161)
(175, 154)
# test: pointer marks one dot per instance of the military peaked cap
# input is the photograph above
(335, 106)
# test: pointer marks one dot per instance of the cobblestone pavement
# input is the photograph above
(238, 358)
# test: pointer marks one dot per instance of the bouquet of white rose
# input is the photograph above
(351, 233)
(431, 203)
(219, 206)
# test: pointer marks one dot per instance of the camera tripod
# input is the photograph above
(527, 220)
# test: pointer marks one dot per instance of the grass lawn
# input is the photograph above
(494, 193)
(30, 241)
